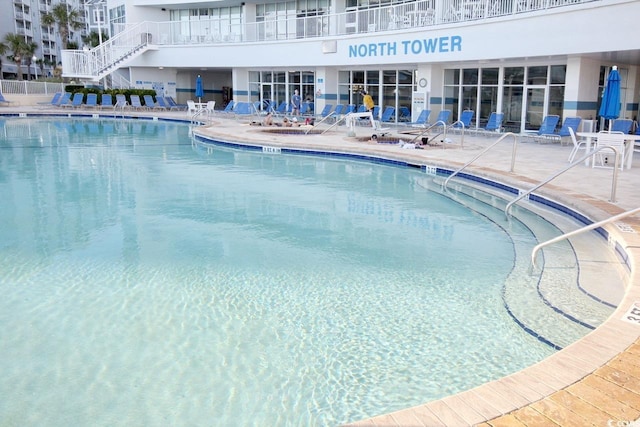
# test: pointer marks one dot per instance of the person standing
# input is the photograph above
(367, 100)
(296, 100)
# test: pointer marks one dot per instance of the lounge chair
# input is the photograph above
(92, 100)
(421, 120)
(173, 105)
(622, 125)
(106, 101)
(149, 103)
(546, 131)
(465, 120)
(569, 123)
(388, 114)
(121, 101)
(405, 114)
(135, 102)
(443, 118)
(55, 100)
(162, 103)
(65, 99)
(494, 124)
(325, 111)
(243, 109)
(76, 101)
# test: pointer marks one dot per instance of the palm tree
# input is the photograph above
(93, 39)
(66, 19)
(29, 51)
(3, 50)
(16, 44)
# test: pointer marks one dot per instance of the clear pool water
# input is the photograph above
(147, 281)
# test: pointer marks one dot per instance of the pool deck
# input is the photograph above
(595, 381)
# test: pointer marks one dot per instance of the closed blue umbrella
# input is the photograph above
(199, 90)
(610, 106)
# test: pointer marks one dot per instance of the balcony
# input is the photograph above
(409, 15)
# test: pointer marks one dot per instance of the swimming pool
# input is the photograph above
(148, 280)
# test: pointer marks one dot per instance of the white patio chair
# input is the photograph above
(210, 107)
(577, 145)
(604, 158)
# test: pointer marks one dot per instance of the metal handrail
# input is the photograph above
(463, 127)
(427, 129)
(513, 156)
(321, 121)
(614, 183)
(579, 231)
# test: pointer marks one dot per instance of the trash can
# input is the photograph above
(145, 38)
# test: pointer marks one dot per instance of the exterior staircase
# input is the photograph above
(92, 65)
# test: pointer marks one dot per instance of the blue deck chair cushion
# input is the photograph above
(106, 101)
(148, 101)
(622, 125)
(443, 117)
(569, 122)
(465, 119)
(326, 110)
(92, 100)
(388, 114)
(494, 124)
(76, 101)
(422, 119)
(135, 102)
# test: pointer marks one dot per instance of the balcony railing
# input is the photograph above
(422, 13)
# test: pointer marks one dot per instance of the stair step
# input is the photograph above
(549, 304)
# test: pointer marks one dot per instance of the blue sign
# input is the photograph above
(445, 44)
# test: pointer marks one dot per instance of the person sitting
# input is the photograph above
(268, 120)
(286, 123)
(294, 122)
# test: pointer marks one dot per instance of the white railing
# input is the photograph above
(25, 87)
(103, 59)
(405, 15)
(89, 64)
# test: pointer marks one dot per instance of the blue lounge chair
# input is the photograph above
(622, 125)
(422, 119)
(388, 114)
(65, 99)
(54, 101)
(546, 131)
(106, 101)
(465, 120)
(443, 117)
(92, 100)
(161, 103)
(494, 124)
(173, 105)
(405, 114)
(135, 102)
(76, 101)
(121, 101)
(351, 108)
(325, 111)
(243, 109)
(149, 103)
(569, 123)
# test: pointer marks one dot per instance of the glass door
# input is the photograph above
(534, 110)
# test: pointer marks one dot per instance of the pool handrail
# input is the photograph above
(614, 180)
(513, 156)
(589, 227)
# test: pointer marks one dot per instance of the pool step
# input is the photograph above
(549, 304)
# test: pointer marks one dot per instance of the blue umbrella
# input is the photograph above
(199, 90)
(610, 106)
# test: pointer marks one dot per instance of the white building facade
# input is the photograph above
(524, 58)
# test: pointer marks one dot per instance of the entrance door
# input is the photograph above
(534, 110)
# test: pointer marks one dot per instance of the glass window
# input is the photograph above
(470, 76)
(514, 75)
(490, 76)
(537, 75)
(558, 74)
(452, 77)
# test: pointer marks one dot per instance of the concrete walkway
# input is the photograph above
(591, 382)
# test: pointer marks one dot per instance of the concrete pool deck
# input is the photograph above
(594, 381)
